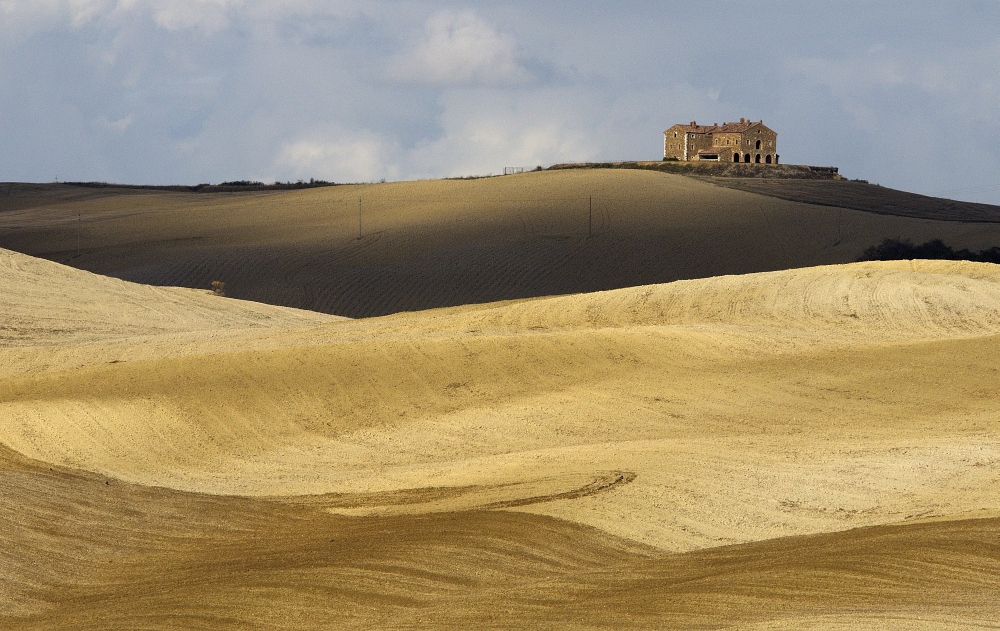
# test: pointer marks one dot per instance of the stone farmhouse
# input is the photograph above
(745, 141)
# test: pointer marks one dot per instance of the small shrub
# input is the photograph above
(904, 249)
(218, 288)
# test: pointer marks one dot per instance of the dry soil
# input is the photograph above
(812, 448)
(445, 243)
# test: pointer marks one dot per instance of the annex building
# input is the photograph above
(745, 141)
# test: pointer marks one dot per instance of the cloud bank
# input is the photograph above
(460, 49)
(167, 91)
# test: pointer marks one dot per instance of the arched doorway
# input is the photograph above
(746, 158)
(767, 158)
(736, 157)
(757, 158)
(758, 145)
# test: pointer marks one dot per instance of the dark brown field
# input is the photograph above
(443, 243)
(863, 196)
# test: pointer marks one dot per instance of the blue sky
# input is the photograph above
(188, 91)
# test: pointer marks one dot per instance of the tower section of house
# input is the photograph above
(683, 142)
(745, 141)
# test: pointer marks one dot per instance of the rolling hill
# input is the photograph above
(811, 448)
(441, 243)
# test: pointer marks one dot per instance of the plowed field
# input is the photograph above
(814, 448)
(440, 243)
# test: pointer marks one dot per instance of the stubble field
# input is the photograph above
(810, 448)
(443, 243)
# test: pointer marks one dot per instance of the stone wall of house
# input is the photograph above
(754, 144)
(697, 142)
(682, 142)
(761, 144)
(728, 144)
(673, 144)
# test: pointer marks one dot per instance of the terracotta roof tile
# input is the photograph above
(734, 127)
(723, 128)
(697, 129)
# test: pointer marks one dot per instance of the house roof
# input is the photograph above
(735, 127)
(742, 127)
(694, 129)
(738, 128)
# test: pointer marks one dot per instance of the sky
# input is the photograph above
(905, 94)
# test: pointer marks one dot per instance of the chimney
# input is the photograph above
(741, 119)
(694, 124)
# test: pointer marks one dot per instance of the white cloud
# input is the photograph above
(118, 126)
(208, 15)
(959, 80)
(231, 89)
(23, 17)
(338, 156)
(460, 49)
(20, 18)
(486, 130)
(482, 131)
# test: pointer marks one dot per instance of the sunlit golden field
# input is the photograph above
(567, 440)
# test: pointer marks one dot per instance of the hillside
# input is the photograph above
(864, 196)
(440, 243)
(812, 448)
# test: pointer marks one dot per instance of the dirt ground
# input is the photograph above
(814, 448)
(860, 195)
(432, 244)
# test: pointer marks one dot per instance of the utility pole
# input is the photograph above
(590, 218)
(359, 216)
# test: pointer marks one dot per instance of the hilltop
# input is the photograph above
(441, 243)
